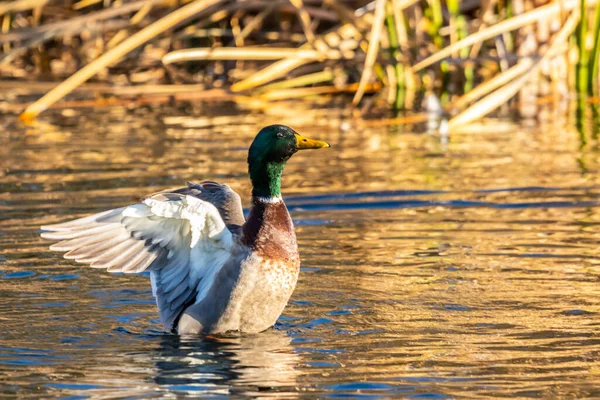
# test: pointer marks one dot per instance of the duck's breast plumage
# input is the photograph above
(249, 294)
(253, 287)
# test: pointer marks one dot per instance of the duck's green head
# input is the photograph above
(270, 150)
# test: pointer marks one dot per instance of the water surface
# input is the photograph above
(466, 269)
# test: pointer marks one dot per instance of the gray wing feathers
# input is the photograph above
(225, 199)
(159, 235)
(102, 241)
(171, 288)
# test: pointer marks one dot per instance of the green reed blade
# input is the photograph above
(582, 66)
(594, 62)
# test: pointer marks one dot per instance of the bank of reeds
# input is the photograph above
(475, 55)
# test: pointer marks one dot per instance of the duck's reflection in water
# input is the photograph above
(263, 364)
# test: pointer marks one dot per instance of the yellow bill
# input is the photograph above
(303, 143)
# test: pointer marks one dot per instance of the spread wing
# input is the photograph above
(226, 200)
(180, 236)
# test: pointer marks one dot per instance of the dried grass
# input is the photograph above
(474, 54)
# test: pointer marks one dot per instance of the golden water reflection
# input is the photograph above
(467, 269)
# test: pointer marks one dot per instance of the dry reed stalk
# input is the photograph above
(20, 5)
(6, 29)
(256, 21)
(398, 11)
(501, 49)
(347, 15)
(487, 11)
(121, 91)
(505, 93)
(304, 17)
(313, 91)
(114, 54)
(301, 92)
(309, 79)
(118, 38)
(154, 98)
(136, 19)
(500, 28)
(74, 23)
(268, 74)
(404, 4)
(505, 77)
(419, 33)
(248, 53)
(85, 3)
(279, 69)
(372, 49)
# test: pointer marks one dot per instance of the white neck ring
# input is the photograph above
(270, 200)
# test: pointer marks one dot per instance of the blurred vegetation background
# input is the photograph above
(461, 58)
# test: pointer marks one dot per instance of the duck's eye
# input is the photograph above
(279, 135)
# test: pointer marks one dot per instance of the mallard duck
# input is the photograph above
(211, 270)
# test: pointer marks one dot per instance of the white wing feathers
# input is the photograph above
(207, 228)
(180, 239)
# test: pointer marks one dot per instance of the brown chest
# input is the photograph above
(269, 232)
